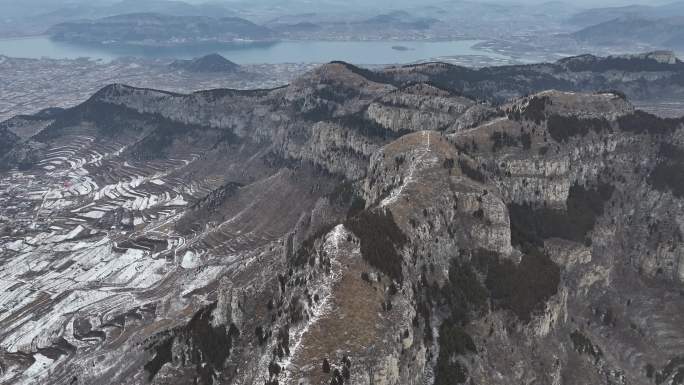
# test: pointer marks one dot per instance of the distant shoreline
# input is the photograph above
(365, 52)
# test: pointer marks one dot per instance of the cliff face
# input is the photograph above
(349, 228)
(416, 107)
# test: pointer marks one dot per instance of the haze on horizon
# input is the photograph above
(592, 3)
(355, 3)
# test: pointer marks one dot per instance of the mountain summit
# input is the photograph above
(208, 63)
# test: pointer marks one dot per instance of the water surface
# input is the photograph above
(358, 52)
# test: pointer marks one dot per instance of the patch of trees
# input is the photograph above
(453, 341)
(282, 349)
(306, 252)
(262, 335)
(536, 109)
(338, 377)
(346, 367)
(296, 310)
(217, 197)
(208, 346)
(488, 83)
(273, 369)
(318, 113)
(531, 225)
(590, 63)
(275, 160)
(583, 345)
(220, 93)
(561, 128)
(526, 140)
(345, 195)
(338, 93)
(462, 293)
(430, 84)
(110, 119)
(470, 171)
(7, 140)
(358, 204)
(367, 127)
(668, 174)
(374, 76)
(523, 288)
(380, 238)
(641, 122)
(399, 161)
(44, 114)
(503, 139)
(162, 356)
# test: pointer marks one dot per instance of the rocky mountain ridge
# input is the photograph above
(356, 226)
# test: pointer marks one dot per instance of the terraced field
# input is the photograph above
(93, 248)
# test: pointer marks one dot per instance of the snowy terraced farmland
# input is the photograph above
(108, 249)
(92, 242)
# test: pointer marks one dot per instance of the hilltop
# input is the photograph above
(208, 63)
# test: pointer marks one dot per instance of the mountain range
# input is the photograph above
(416, 224)
(595, 16)
(158, 29)
(665, 33)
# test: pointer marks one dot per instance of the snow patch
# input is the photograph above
(190, 260)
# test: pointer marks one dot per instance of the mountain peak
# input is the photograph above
(340, 71)
(208, 63)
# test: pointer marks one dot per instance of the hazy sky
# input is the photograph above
(9, 8)
(591, 3)
(596, 3)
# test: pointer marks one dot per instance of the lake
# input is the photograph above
(358, 52)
